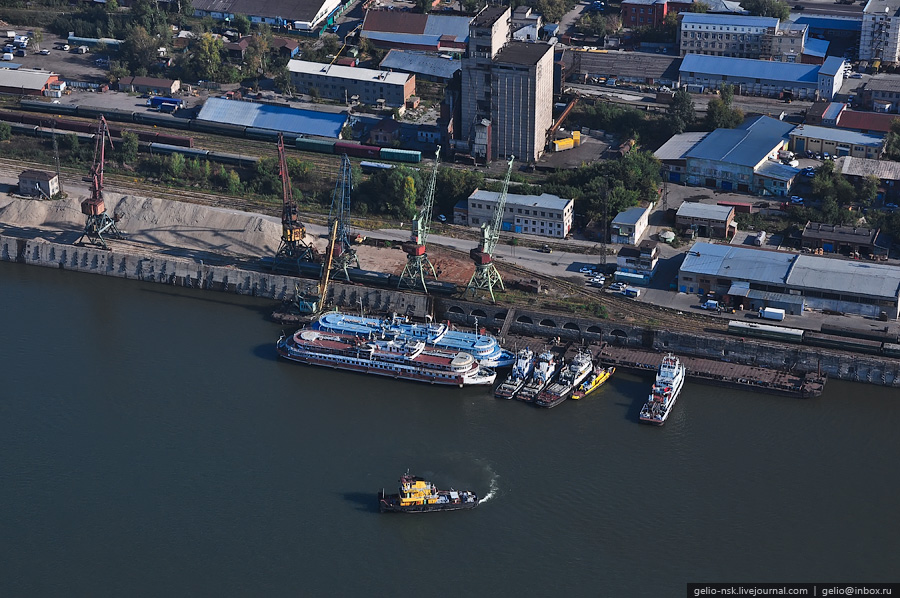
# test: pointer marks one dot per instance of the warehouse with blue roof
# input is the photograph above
(763, 77)
(275, 118)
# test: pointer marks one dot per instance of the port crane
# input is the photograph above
(344, 251)
(99, 223)
(293, 249)
(417, 262)
(486, 275)
(309, 303)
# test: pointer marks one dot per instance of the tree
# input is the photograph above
(719, 112)
(768, 8)
(139, 49)
(681, 111)
(37, 38)
(129, 147)
(242, 24)
(892, 142)
(112, 6)
(423, 6)
(5, 131)
(698, 7)
(176, 165)
(208, 56)
(867, 190)
(256, 55)
(347, 132)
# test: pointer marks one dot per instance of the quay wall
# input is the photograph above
(186, 272)
(883, 371)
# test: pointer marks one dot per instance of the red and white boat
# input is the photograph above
(400, 359)
(664, 393)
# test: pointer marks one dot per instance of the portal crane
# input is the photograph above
(413, 275)
(293, 249)
(98, 222)
(486, 274)
(344, 252)
(308, 303)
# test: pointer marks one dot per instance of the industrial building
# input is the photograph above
(26, 81)
(723, 35)
(833, 238)
(763, 77)
(637, 265)
(347, 84)
(881, 93)
(507, 90)
(165, 87)
(628, 227)
(625, 67)
(756, 278)
(706, 220)
(38, 183)
(415, 31)
(836, 142)
(545, 214)
(830, 27)
(886, 171)
(652, 13)
(274, 118)
(300, 15)
(879, 38)
(743, 159)
(673, 153)
(425, 66)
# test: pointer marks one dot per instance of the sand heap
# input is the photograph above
(157, 222)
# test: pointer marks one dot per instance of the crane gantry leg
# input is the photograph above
(485, 278)
(344, 252)
(417, 263)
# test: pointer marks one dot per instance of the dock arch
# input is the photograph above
(548, 322)
(455, 309)
(524, 320)
(619, 337)
(571, 326)
(479, 313)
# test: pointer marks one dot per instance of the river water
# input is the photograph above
(151, 444)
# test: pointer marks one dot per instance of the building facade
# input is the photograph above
(836, 142)
(706, 220)
(628, 227)
(545, 214)
(879, 38)
(150, 85)
(881, 93)
(507, 90)
(38, 183)
(724, 35)
(342, 83)
(637, 265)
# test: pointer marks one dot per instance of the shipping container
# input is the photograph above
(739, 206)
(563, 144)
(772, 313)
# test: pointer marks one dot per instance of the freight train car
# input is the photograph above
(112, 114)
(217, 128)
(321, 146)
(41, 106)
(843, 343)
(166, 149)
(779, 333)
(161, 120)
(233, 159)
(356, 150)
(872, 335)
(399, 155)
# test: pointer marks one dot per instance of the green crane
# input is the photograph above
(413, 275)
(486, 275)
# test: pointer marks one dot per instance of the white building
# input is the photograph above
(724, 35)
(545, 214)
(38, 183)
(342, 83)
(880, 35)
(629, 226)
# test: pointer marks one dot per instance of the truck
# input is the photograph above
(710, 304)
(171, 104)
(771, 313)
(632, 292)
(759, 238)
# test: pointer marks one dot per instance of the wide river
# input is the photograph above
(151, 444)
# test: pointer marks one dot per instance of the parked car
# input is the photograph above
(617, 286)
(545, 249)
(799, 7)
(796, 199)
(45, 52)
(856, 76)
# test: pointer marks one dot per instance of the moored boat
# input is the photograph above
(544, 370)
(483, 347)
(593, 382)
(669, 380)
(519, 375)
(571, 376)
(418, 495)
(400, 359)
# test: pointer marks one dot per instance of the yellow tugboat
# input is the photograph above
(594, 381)
(418, 495)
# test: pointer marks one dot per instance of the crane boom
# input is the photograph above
(293, 249)
(493, 235)
(417, 262)
(486, 275)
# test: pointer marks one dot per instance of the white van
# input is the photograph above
(7, 56)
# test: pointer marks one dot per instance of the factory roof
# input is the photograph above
(626, 64)
(838, 135)
(290, 10)
(644, 2)
(277, 118)
(816, 47)
(706, 211)
(845, 277)
(678, 145)
(727, 261)
(831, 22)
(832, 66)
(832, 110)
(883, 82)
(25, 78)
(845, 234)
(722, 6)
(347, 72)
(544, 200)
(750, 69)
(885, 170)
(877, 122)
(630, 216)
(489, 16)
(415, 24)
(522, 53)
(886, 8)
(421, 63)
(689, 18)
(776, 170)
(747, 145)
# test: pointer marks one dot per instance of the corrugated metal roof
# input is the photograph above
(689, 18)
(678, 145)
(883, 82)
(776, 170)
(726, 261)
(742, 290)
(845, 276)
(629, 216)
(290, 10)
(765, 70)
(745, 146)
(439, 25)
(868, 121)
(835, 23)
(276, 118)
(832, 111)
(544, 200)
(421, 63)
(816, 47)
(690, 209)
(885, 170)
(389, 21)
(838, 135)
(25, 78)
(832, 66)
(431, 41)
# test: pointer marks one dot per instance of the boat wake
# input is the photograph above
(492, 491)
